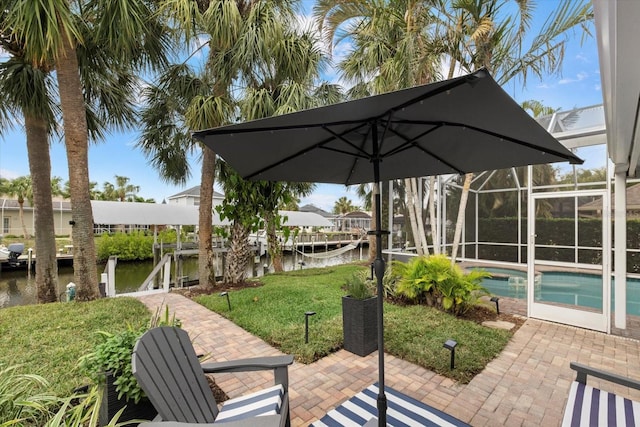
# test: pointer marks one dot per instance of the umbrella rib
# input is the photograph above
(314, 146)
(441, 124)
(412, 143)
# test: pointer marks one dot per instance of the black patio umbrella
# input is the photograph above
(456, 126)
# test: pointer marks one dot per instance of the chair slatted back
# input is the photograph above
(167, 369)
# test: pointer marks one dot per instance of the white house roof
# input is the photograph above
(107, 212)
(304, 219)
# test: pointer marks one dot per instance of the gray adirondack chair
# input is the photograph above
(167, 369)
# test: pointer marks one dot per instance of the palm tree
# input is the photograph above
(256, 65)
(73, 37)
(343, 206)
(483, 34)
(20, 188)
(392, 49)
(121, 191)
(26, 92)
(399, 44)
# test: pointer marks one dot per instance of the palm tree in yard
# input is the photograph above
(402, 44)
(73, 37)
(484, 34)
(256, 66)
(26, 92)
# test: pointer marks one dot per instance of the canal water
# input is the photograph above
(17, 287)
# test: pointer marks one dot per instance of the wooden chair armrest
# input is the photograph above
(244, 365)
(279, 364)
(584, 370)
(265, 421)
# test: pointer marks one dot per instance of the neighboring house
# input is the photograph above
(353, 221)
(594, 209)
(191, 197)
(10, 217)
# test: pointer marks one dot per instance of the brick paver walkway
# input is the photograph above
(526, 385)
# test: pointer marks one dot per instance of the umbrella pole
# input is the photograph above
(379, 267)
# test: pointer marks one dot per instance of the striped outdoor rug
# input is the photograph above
(402, 411)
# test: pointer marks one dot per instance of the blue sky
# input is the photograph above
(578, 85)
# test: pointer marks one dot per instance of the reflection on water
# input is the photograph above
(17, 287)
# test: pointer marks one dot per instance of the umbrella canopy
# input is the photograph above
(461, 125)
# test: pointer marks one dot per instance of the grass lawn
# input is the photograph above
(275, 312)
(48, 339)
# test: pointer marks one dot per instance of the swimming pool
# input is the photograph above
(581, 289)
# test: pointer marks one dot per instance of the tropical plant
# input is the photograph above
(92, 45)
(360, 286)
(27, 92)
(23, 398)
(343, 206)
(113, 355)
(417, 278)
(21, 189)
(402, 44)
(435, 281)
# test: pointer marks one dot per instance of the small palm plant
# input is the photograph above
(434, 281)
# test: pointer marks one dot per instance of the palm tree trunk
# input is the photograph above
(275, 248)
(76, 138)
(25, 233)
(432, 216)
(40, 170)
(417, 191)
(206, 269)
(238, 255)
(412, 214)
(461, 212)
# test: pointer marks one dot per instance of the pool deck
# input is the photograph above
(526, 385)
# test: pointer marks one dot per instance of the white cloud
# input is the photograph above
(582, 75)
(8, 174)
(582, 58)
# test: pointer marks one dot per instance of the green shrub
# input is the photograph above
(434, 281)
(23, 398)
(113, 355)
(135, 246)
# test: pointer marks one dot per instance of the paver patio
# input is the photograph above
(526, 385)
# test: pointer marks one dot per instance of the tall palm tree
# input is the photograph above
(343, 206)
(392, 49)
(254, 68)
(26, 92)
(400, 44)
(72, 36)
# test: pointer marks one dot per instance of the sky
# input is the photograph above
(578, 85)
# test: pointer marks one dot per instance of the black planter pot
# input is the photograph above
(143, 410)
(359, 325)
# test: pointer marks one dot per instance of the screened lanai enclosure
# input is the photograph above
(544, 232)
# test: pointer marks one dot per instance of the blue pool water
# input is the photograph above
(579, 289)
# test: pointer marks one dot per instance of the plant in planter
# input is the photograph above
(359, 320)
(109, 364)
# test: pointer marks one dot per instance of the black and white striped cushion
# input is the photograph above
(588, 406)
(263, 402)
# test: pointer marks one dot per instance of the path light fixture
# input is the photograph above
(306, 325)
(451, 346)
(371, 278)
(226, 294)
(495, 299)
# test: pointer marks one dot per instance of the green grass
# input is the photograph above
(48, 339)
(275, 312)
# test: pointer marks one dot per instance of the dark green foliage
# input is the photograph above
(113, 354)
(434, 281)
(135, 246)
